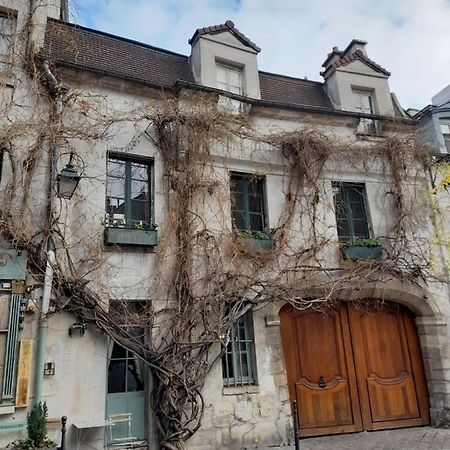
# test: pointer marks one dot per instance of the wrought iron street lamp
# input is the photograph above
(67, 180)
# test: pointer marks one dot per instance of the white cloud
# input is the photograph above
(410, 38)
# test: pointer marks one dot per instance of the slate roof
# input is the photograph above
(283, 89)
(227, 26)
(86, 49)
(95, 51)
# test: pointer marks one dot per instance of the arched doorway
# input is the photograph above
(356, 367)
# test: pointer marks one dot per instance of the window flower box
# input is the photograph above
(255, 240)
(255, 244)
(131, 236)
(364, 249)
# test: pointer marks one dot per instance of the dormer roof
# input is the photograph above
(227, 26)
(344, 57)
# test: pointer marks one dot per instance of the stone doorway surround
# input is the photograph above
(431, 314)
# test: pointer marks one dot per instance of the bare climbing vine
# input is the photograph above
(206, 277)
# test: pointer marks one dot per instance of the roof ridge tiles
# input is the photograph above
(357, 54)
(227, 26)
(290, 77)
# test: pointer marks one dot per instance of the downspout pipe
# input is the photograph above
(58, 93)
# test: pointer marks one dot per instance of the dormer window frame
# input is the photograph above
(364, 92)
(230, 68)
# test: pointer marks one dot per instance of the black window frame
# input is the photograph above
(345, 213)
(247, 183)
(128, 161)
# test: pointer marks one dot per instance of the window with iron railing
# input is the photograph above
(238, 363)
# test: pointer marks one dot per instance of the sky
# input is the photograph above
(409, 38)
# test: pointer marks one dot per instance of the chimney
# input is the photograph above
(355, 44)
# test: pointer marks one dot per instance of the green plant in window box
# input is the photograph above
(362, 248)
(260, 235)
(36, 429)
(255, 240)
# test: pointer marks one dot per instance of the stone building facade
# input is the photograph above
(247, 404)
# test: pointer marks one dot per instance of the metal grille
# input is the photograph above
(238, 361)
(11, 347)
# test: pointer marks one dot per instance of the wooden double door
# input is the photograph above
(354, 368)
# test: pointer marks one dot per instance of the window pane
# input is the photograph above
(343, 229)
(358, 210)
(239, 220)
(118, 352)
(221, 75)
(115, 206)
(116, 168)
(139, 172)
(139, 190)
(235, 89)
(234, 77)
(256, 222)
(227, 365)
(135, 380)
(355, 193)
(140, 211)
(238, 201)
(115, 187)
(255, 203)
(116, 376)
(360, 229)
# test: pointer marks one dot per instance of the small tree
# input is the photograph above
(36, 429)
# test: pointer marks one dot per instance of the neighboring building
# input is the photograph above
(351, 370)
(434, 121)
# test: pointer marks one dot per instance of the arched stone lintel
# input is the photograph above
(421, 302)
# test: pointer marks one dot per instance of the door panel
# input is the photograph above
(354, 368)
(126, 394)
(384, 369)
(320, 370)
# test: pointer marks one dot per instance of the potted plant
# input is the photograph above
(36, 429)
(256, 240)
(362, 248)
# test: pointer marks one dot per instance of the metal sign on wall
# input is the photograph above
(13, 264)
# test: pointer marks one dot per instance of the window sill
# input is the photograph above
(7, 409)
(132, 237)
(241, 390)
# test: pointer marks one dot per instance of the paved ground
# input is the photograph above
(423, 438)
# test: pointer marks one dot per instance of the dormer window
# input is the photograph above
(229, 79)
(364, 101)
